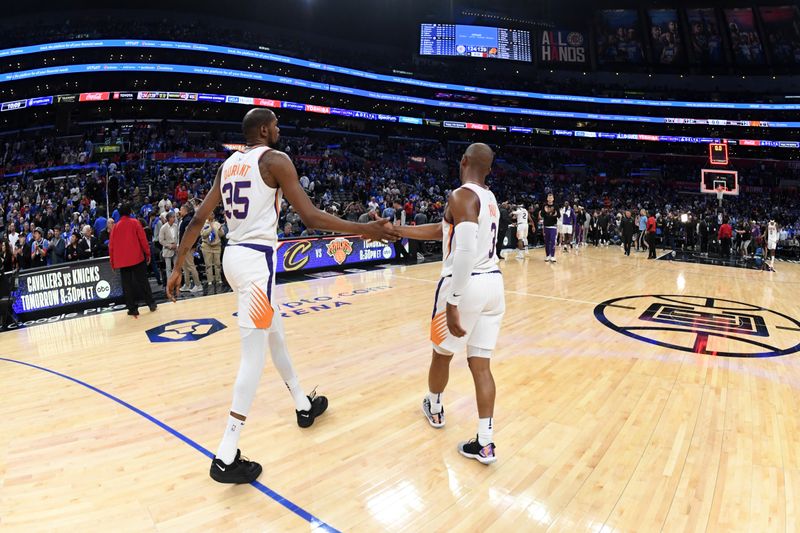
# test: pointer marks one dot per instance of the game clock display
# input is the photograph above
(718, 153)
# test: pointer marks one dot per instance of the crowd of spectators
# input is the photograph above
(52, 217)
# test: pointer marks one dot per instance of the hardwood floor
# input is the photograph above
(599, 427)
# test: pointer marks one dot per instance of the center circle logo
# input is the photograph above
(387, 252)
(702, 325)
(103, 289)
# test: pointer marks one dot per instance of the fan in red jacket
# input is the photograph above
(651, 236)
(130, 254)
(128, 245)
(725, 235)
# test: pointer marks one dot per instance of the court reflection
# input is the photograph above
(396, 506)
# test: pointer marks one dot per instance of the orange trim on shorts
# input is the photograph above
(439, 328)
(261, 311)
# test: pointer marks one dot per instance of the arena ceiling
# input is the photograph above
(392, 22)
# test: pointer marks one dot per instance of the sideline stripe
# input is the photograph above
(315, 522)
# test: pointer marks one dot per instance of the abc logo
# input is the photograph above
(387, 252)
(103, 289)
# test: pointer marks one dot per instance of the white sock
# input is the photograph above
(283, 363)
(244, 389)
(485, 431)
(436, 402)
(230, 440)
(301, 402)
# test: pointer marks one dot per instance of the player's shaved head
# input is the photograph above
(254, 120)
(260, 126)
(480, 157)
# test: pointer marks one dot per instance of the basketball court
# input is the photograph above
(632, 396)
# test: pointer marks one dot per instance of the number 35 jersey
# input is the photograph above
(252, 208)
(488, 222)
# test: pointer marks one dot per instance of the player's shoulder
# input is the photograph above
(476, 190)
(272, 155)
(275, 161)
(464, 195)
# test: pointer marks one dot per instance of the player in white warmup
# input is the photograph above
(520, 214)
(250, 185)
(469, 301)
(772, 241)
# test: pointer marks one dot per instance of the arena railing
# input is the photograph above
(350, 91)
(94, 97)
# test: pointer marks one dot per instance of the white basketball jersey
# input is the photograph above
(488, 226)
(251, 207)
(522, 216)
(772, 232)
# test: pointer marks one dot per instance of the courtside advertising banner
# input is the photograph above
(67, 286)
(298, 255)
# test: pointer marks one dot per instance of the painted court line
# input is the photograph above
(316, 523)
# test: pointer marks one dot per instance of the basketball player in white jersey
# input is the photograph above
(521, 216)
(250, 185)
(469, 301)
(772, 242)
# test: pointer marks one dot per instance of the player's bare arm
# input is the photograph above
(463, 207)
(424, 232)
(279, 171)
(210, 202)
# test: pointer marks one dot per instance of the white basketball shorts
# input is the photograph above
(772, 245)
(522, 232)
(250, 271)
(481, 310)
(566, 230)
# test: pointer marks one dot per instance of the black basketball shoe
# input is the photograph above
(474, 450)
(241, 470)
(318, 406)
